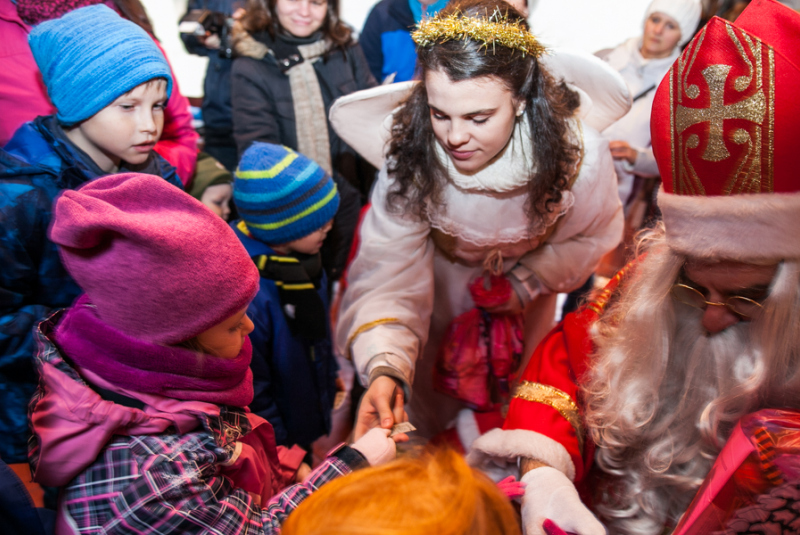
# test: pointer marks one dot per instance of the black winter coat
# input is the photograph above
(263, 110)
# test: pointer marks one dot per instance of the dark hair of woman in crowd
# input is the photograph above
(134, 11)
(261, 16)
(550, 105)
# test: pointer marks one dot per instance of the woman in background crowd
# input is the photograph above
(643, 61)
(294, 58)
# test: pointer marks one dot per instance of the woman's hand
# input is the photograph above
(381, 406)
(512, 306)
(622, 150)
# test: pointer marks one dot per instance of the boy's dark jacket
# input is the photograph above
(294, 379)
(35, 166)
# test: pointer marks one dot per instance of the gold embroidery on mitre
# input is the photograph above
(757, 108)
(685, 179)
(555, 398)
(768, 184)
(747, 178)
(751, 109)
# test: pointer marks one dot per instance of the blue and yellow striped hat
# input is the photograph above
(282, 195)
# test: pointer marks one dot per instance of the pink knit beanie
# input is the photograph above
(36, 11)
(159, 265)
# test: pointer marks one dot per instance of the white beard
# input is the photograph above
(663, 397)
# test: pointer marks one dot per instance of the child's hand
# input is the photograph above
(302, 473)
(376, 446)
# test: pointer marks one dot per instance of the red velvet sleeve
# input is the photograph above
(546, 401)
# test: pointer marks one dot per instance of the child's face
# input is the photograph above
(225, 339)
(126, 130)
(218, 198)
(310, 244)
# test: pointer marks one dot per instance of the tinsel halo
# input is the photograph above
(491, 31)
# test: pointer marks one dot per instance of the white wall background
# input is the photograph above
(189, 69)
(588, 25)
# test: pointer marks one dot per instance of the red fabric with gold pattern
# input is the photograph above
(560, 361)
(556, 362)
(724, 124)
(725, 115)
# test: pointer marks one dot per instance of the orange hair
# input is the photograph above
(435, 493)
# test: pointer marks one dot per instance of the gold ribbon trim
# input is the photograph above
(559, 400)
(364, 328)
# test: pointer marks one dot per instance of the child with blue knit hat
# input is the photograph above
(286, 203)
(109, 83)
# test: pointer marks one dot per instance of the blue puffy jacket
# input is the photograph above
(35, 166)
(386, 37)
(294, 379)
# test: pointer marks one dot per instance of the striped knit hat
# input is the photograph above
(282, 195)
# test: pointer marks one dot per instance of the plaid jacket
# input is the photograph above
(163, 483)
(35, 167)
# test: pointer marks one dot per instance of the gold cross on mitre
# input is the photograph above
(751, 109)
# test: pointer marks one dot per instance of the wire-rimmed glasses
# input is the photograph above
(737, 304)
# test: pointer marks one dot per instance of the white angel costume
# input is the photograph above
(409, 279)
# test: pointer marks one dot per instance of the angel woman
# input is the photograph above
(491, 164)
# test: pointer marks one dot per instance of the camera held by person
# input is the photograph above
(211, 28)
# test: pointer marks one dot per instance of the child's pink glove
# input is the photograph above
(551, 528)
(511, 487)
(376, 446)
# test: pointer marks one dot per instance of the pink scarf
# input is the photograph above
(150, 368)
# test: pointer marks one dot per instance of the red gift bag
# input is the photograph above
(480, 351)
(754, 485)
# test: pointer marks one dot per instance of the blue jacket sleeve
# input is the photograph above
(22, 236)
(167, 171)
(261, 338)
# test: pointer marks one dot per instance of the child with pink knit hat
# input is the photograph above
(141, 413)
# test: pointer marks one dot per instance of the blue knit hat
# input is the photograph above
(90, 57)
(282, 195)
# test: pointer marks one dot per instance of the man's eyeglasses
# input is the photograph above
(737, 304)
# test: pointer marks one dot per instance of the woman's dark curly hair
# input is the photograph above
(262, 17)
(418, 173)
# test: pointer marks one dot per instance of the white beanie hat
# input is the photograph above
(686, 12)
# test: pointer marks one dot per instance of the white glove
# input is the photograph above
(549, 494)
(376, 446)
